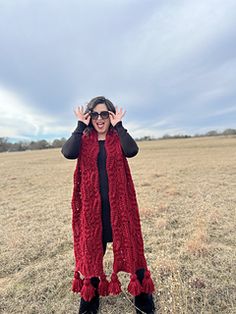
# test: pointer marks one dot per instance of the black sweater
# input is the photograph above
(71, 150)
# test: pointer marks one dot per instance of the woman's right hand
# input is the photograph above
(79, 113)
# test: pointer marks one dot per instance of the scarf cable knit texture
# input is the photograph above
(128, 249)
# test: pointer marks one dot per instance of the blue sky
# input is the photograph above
(170, 64)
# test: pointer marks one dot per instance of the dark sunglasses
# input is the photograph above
(103, 114)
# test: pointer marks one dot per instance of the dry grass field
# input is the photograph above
(186, 190)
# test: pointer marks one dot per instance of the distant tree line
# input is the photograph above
(6, 146)
(209, 133)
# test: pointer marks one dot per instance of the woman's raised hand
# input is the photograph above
(116, 117)
(79, 113)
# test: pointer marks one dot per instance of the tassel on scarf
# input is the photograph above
(87, 291)
(148, 285)
(134, 286)
(77, 282)
(115, 285)
(103, 286)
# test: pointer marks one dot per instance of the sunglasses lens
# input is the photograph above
(104, 114)
(94, 115)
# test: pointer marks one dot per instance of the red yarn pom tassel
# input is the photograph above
(134, 286)
(87, 291)
(103, 286)
(148, 285)
(77, 283)
(115, 285)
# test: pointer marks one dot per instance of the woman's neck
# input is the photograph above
(101, 137)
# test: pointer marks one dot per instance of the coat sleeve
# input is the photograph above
(128, 144)
(71, 148)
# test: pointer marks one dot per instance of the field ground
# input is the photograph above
(186, 190)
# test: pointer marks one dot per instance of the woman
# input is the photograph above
(104, 208)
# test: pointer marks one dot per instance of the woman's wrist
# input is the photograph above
(118, 125)
(80, 127)
(82, 123)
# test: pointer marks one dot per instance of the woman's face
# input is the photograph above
(101, 125)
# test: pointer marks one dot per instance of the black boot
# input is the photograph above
(84, 307)
(92, 306)
(143, 301)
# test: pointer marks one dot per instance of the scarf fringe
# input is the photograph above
(114, 285)
(134, 287)
(87, 291)
(77, 282)
(103, 288)
(148, 285)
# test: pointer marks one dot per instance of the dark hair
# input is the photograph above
(93, 103)
(100, 100)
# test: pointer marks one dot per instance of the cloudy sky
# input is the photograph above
(170, 63)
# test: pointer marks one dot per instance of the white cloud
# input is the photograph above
(178, 31)
(162, 122)
(20, 119)
(156, 129)
(170, 64)
(224, 111)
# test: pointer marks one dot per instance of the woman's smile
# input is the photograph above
(100, 124)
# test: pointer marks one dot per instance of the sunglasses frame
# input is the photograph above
(94, 115)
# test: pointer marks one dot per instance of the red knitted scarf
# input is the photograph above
(87, 221)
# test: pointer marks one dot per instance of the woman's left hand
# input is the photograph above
(116, 117)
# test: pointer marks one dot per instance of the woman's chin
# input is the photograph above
(101, 130)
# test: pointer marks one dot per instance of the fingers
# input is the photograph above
(87, 119)
(79, 113)
(79, 109)
(118, 115)
(122, 115)
(120, 110)
(75, 111)
(86, 115)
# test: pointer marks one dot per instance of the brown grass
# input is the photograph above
(187, 201)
